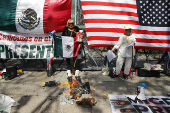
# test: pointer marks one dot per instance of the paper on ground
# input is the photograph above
(6, 103)
(4, 70)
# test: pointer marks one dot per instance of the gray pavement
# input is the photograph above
(33, 98)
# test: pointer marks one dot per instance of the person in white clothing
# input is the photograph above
(125, 46)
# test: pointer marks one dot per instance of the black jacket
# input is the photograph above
(66, 32)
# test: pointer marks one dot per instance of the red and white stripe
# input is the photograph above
(105, 20)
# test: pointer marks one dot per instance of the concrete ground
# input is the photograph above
(33, 98)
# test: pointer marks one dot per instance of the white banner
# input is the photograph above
(27, 46)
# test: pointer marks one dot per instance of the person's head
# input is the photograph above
(127, 29)
(70, 24)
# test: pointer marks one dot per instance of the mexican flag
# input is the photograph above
(34, 16)
(66, 46)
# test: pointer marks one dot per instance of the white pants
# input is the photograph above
(119, 63)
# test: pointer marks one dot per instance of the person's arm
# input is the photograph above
(120, 41)
(112, 49)
(52, 44)
(135, 40)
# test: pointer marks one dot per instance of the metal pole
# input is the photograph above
(75, 12)
(136, 58)
(146, 55)
(167, 63)
(90, 55)
(78, 12)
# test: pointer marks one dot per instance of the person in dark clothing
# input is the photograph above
(70, 30)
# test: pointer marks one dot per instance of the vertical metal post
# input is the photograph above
(107, 62)
(75, 12)
(91, 55)
(49, 68)
(78, 12)
(136, 58)
(110, 67)
(146, 55)
(167, 62)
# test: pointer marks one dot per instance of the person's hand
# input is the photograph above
(54, 35)
(112, 49)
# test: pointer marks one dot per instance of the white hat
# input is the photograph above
(127, 26)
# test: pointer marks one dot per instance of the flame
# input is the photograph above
(74, 91)
(92, 91)
(66, 83)
(60, 86)
(74, 85)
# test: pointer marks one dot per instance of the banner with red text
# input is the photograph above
(27, 46)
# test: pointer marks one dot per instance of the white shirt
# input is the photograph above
(122, 46)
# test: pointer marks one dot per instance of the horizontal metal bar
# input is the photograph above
(81, 69)
(61, 69)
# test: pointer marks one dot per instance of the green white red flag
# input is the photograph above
(34, 16)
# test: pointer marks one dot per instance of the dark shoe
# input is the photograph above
(113, 76)
(73, 71)
(69, 78)
(125, 76)
(78, 79)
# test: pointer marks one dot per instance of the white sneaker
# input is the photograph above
(69, 73)
(77, 73)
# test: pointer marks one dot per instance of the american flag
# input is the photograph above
(150, 21)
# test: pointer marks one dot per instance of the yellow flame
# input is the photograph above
(66, 83)
(106, 95)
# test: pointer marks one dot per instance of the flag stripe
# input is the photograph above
(97, 38)
(153, 48)
(110, 34)
(102, 38)
(28, 14)
(111, 1)
(153, 41)
(7, 15)
(111, 43)
(68, 46)
(136, 47)
(136, 31)
(85, 3)
(107, 8)
(114, 21)
(106, 23)
(109, 12)
(103, 16)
